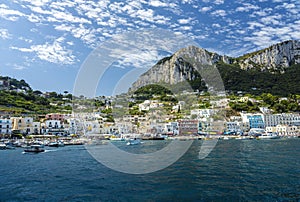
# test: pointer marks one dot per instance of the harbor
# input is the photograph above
(250, 170)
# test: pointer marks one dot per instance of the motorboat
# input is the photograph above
(35, 148)
(56, 144)
(2, 146)
(134, 141)
(116, 139)
(268, 136)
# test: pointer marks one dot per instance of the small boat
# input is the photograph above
(2, 146)
(36, 148)
(268, 136)
(116, 139)
(134, 141)
(56, 144)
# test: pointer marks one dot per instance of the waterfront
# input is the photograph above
(236, 170)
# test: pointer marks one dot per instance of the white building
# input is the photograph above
(202, 113)
(53, 124)
(5, 126)
(171, 128)
(282, 119)
(233, 126)
(283, 130)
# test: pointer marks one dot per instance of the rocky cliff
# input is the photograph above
(275, 58)
(186, 63)
(181, 66)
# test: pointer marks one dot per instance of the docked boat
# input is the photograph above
(56, 144)
(268, 136)
(36, 148)
(2, 146)
(116, 139)
(134, 141)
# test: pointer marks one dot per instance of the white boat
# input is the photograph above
(134, 141)
(2, 146)
(268, 136)
(116, 139)
(36, 148)
(56, 144)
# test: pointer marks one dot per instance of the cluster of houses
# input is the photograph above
(200, 121)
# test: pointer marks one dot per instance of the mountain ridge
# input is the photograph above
(185, 64)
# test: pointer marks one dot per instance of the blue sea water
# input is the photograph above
(236, 170)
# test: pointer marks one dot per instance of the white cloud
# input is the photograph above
(37, 3)
(205, 9)
(266, 35)
(247, 7)
(274, 19)
(8, 14)
(39, 10)
(59, 16)
(218, 2)
(4, 34)
(216, 25)
(217, 13)
(25, 39)
(18, 67)
(157, 3)
(185, 21)
(54, 53)
(254, 25)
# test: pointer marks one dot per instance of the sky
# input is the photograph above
(49, 43)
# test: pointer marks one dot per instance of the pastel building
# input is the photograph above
(23, 125)
(55, 116)
(188, 127)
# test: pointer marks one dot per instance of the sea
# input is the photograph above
(235, 170)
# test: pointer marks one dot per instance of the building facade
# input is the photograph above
(5, 126)
(188, 127)
(282, 119)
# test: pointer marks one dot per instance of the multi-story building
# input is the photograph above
(283, 130)
(55, 116)
(233, 126)
(23, 125)
(254, 120)
(188, 127)
(5, 126)
(282, 119)
(202, 113)
(171, 128)
(54, 127)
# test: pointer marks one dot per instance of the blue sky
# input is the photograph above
(46, 42)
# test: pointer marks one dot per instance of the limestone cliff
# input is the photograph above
(181, 66)
(275, 58)
(185, 63)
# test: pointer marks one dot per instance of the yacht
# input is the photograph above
(268, 136)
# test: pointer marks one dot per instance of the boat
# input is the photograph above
(268, 136)
(35, 148)
(56, 144)
(2, 146)
(134, 141)
(116, 139)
